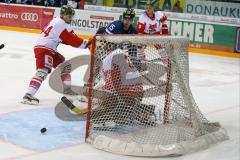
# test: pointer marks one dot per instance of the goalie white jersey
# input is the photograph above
(118, 73)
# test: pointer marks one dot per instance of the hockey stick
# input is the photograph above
(2, 46)
(72, 107)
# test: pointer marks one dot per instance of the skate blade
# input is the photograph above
(29, 102)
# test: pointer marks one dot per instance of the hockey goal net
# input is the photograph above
(145, 105)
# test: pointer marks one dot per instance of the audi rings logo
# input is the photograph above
(32, 17)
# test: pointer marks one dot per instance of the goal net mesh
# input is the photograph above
(144, 103)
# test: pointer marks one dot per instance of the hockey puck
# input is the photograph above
(43, 130)
(1, 46)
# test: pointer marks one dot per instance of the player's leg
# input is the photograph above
(114, 109)
(133, 111)
(97, 85)
(124, 113)
(130, 110)
(104, 107)
(105, 115)
(145, 115)
(58, 60)
(44, 62)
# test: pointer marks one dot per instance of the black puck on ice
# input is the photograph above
(43, 130)
(1, 46)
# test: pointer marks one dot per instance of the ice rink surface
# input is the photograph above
(214, 81)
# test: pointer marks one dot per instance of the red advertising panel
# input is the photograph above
(24, 16)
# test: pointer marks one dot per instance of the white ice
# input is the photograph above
(215, 83)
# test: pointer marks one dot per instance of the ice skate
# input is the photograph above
(29, 99)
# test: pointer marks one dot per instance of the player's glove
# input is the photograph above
(88, 45)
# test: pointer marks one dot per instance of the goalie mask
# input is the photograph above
(125, 45)
(67, 10)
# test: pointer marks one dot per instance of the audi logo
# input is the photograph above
(32, 17)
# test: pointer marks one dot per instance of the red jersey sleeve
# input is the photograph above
(141, 27)
(70, 38)
(164, 25)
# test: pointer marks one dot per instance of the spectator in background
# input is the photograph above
(9, 1)
(177, 7)
(39, 2)
(54, 3)
(73, 3)
(50, 3)
(118, 3)
(63, 2)
(29, 2)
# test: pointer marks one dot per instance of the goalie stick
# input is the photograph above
(72, 107)
(2, 46)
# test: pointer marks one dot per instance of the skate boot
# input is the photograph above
(29, 99)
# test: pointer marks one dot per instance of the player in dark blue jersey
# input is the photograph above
(101, 30)
(123, 26)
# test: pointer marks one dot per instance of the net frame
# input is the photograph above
(200, 140)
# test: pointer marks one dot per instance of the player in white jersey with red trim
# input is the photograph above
(58, 31)
(151, 22)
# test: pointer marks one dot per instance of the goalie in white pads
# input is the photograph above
(123, 83)
(121, 27)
